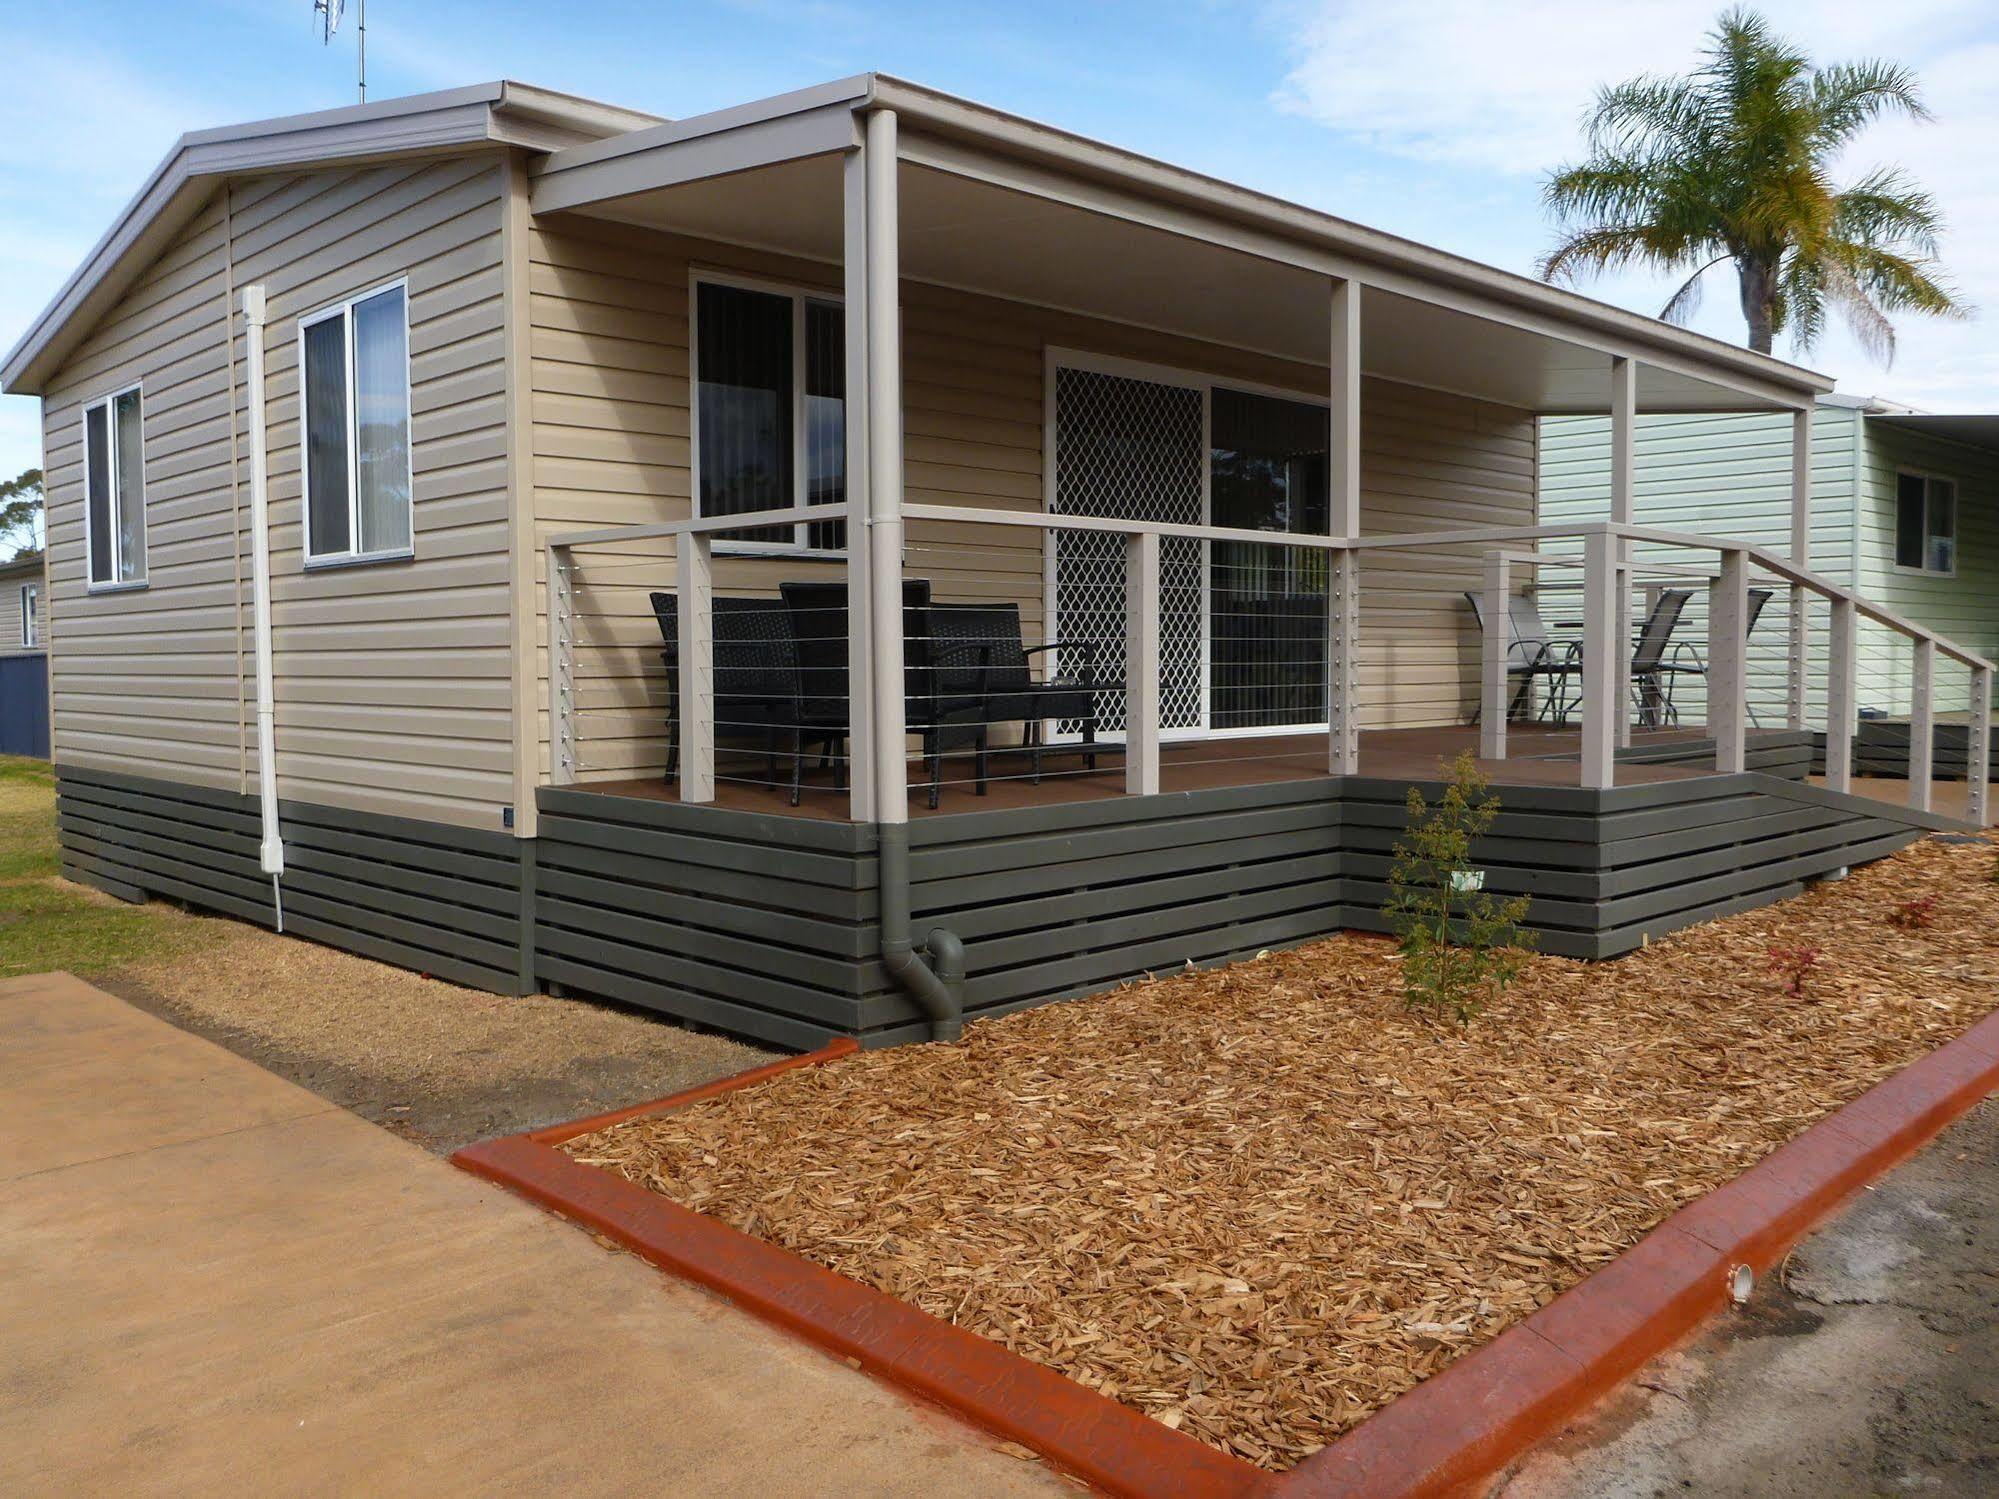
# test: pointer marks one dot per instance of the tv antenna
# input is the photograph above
(329, 13)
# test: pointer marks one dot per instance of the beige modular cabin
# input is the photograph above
(554, 428)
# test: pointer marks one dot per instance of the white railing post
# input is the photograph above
(1342, 654)
(694, 565)
(1623, 488)
(885, 475)
(860, 620)
(561, 667)
(1343, 515)
(1922, 722)
(1141, 673)
(1795, 678)
(1727, 699)
(1492, 658)
(1978, 747)
(1601, 647)
(1841, 659)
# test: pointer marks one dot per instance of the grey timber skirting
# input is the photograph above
(428, 896)
(1881, 748)
(767, 926)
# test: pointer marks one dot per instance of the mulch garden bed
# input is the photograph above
(1259, 1202)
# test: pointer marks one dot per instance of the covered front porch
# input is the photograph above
(980, 566)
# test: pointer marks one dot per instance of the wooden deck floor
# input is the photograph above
(1538, 755)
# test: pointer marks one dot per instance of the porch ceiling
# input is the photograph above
(978, 236)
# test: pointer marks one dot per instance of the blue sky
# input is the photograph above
(1435, 120)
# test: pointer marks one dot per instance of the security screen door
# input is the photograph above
(1242, 630)
(1131, 449)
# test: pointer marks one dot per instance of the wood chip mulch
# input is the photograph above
(1259, 1202)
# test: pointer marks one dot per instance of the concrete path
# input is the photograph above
(1870, 1366)
(214, 1282)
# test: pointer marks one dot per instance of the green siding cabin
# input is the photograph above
(1904, 511)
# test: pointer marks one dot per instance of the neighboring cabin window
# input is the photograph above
(355, 364)
(1925, 524)
(114, 488)
(770, 397)
(30, 596)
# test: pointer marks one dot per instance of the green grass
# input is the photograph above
(46, 923)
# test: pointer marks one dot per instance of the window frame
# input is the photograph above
(352, 556)
(1931, 480)
(31, 597)
(109, 404)
(801, 295)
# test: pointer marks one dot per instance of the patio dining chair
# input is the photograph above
(759, 690)
(1686, 660)
(1649, 697)
(978, 654)
(1531, 655)
(819, 624)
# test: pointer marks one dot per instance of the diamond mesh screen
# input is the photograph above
(1130, 450)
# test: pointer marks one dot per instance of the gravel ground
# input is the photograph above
(1869, 1366)
(439, 1064)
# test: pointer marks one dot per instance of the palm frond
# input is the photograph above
(1683, 304)
(1847, 97)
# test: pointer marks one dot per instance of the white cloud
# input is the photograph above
(1499, 91)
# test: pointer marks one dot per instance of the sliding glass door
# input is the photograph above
(1242, 624)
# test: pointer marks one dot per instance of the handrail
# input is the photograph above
(1604, 543)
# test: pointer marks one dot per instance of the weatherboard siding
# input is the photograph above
(392, 678)
(1726, 475)
(1962, 607)
(611, 445)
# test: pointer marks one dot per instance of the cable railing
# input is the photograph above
(676, 652)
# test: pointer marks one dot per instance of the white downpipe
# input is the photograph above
(272, 850)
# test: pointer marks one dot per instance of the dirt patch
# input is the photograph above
(440, 1064)
(1260, 1202)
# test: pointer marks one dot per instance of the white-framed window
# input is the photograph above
(770, 407)
(354, 441)
(1925, 523)
(114, 490)
(31, 597)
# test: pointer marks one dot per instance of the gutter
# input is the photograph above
(271, 851)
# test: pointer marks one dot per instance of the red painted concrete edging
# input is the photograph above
(1457, 1427)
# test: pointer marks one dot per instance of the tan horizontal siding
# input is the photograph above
(392, 678)
(611, 442)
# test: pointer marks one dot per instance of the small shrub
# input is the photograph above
(1914, 915)
(1793, 965)
(1461, 944)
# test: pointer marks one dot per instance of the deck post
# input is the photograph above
(1796, 677)
(1141, 669)
(860, 631)
(1727, 700)
(1601, 647)
(561, 667)
(1623, 486)
(1978, 747)
(694, 569)
(1922, 722)
(1840, 665)
(884, 401)
(1492, 658)
(1343, 513)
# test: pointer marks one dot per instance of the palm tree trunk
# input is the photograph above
(1759, 295)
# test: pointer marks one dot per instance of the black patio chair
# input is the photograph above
(759, 690)
(819, 624)
(1531, 655)
(978, 653)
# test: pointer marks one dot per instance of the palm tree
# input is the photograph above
(1731, 164)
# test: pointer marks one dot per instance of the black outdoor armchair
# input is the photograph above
(759, 689)
(979, 654)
